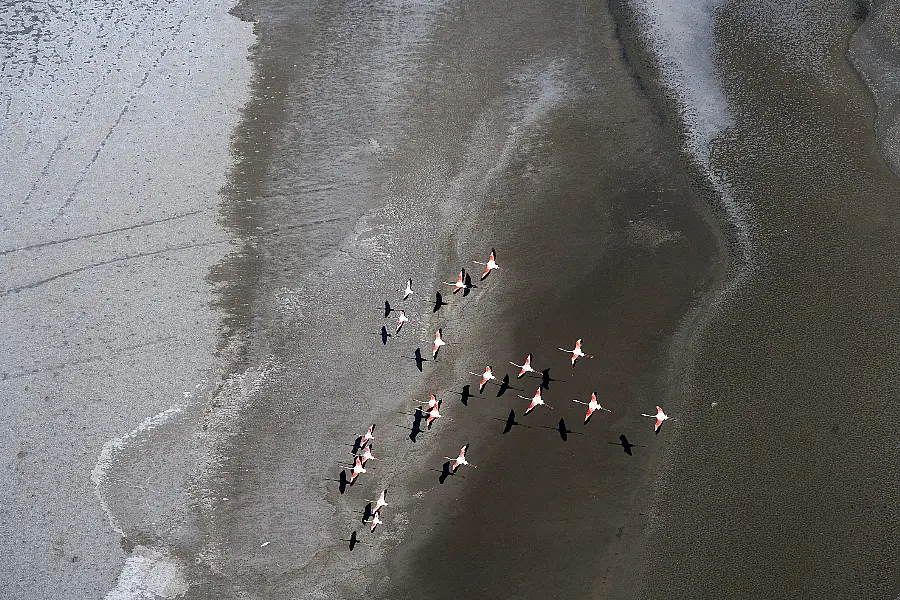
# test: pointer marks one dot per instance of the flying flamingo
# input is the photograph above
(434, 414)
(485, 377)
(367, 454)
(460, 460)
(438, 342)
(460, 282)
(356, 469)
(380, 503)
(376, 521)
(490, 265)
(577, 352)
(526, 368)
(401, 320)
(408, 291)
(660, 416)
(592, 406)
(432, 402)
(370, 436)
(535, 401)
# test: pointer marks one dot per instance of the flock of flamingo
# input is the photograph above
(363, 446)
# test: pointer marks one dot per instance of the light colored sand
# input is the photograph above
(116, 126)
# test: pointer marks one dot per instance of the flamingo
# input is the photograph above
(408, 291)
(370, 436)
(356, 469)
(432, 402)
(434, 414)
(660, 416)
(490, 265)
(535, 401)
(592, 406)
(485, 377)
(460, 460)
(401, 320)
(376, 521)
(460, 282)
(577, 352)
(380, 503)
(438, 342)
(367, 454)
(526, 368)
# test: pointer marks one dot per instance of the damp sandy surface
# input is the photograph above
(116, 125)
(406, 142)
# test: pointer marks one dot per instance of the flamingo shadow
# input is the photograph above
(445, 472)
(465, 394)
(387, 309)
(342, 482)
(438, 302)
(510, 421)
(564, 431)
(626, 445)
(417, 356)
(357, 445)
(469, 285)
(354, 540)
(384, 335)
(416, 426)
(367, 512)
(504, 385)
(546, 379)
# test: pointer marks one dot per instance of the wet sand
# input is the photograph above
(451, 129)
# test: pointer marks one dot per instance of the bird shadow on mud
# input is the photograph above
(626, 445)
(417, 356)
(416, 428)
(367, 512)
(469, 285)
(354, 540)
(342, 480)
(510, 421)
(546, 379)
(383, 334)
(387, 309)
(564, 431)
(357, 445)
(438, 302)
(465, 394)
(445, 473)
(504, 386)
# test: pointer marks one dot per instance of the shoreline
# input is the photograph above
(808, 335)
